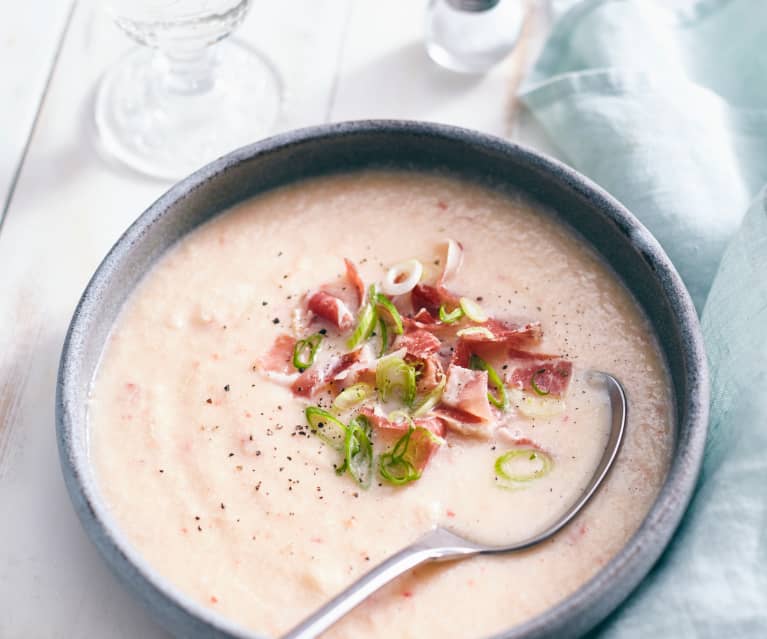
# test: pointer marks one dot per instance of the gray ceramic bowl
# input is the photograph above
(633, 253)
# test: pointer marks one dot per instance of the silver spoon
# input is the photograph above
(440, 544)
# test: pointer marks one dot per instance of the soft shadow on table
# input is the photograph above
(405, 81)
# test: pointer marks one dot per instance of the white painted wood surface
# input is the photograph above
(30, 35)
(341, 59)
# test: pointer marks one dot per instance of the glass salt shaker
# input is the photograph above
(471, 36)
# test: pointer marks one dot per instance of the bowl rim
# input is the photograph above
(575, 612)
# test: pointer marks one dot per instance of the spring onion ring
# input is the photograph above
(432, 399)
(393, 372)
(499, 400)
(508, 480)
(538, 390)
(393, 467)
(350, 397)
(472, 310)
(476, 330)
(358, 451)
(327, 427)
(452, 316)
(305, 351)
(385, 303)
(453, 259)
(401, 279)
(366, 322)
(384, 337)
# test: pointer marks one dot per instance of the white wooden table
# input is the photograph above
(65, 205)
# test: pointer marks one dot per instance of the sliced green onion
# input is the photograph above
(538, 390)
(432, 399)
(384, 337)
(306, 350)
(385, 303)
(476, 330)
(326, 426)
(349, 397)
(397, 471)
(472, 310)
(393, 372)
(500, 400)
(452, 316)
(358, 451)
(540, 463)
(393, 467)
(366, 322)
(400, 416)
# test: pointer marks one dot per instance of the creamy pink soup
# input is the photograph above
(198, 425)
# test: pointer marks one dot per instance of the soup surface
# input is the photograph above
(202, 449)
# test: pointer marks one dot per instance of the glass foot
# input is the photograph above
(160, 122)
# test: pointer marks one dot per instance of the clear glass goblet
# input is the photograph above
(185, 97)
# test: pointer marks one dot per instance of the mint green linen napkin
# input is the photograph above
(667, 109)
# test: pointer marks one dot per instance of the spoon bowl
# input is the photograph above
(440, 544)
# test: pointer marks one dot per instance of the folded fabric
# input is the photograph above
(667, 109)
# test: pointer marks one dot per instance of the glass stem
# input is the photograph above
(187, 72)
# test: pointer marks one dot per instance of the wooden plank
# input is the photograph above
(69, 207)
(28, 48)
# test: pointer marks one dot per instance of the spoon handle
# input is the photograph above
(437, 544)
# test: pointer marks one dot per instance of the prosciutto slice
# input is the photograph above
(314, 378)
(424, 296)
(429, 375)
(418, 343)
(422, 446)
(550, 376)
(279, 359)
(332, 309)
(500, 332)
(353, 275)
(466, 391)
(379, 421)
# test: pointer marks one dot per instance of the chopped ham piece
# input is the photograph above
(499, 331)
(331, 308)
(459, 421)
(424, 317)
(379, 421)
(461, 353)
(279, 359)
(422, 446)
(418, 343)
(314, 378)
(466, 391)
(433, 424)
(425, 296)
(353, 275)
(429, 376)
(431, 298)
(552, 377)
